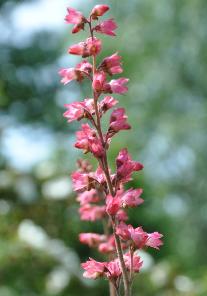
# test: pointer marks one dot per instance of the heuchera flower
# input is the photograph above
(84, 67)
(118, 121)
(93, 269)
(137, 263)
(108, 246)
(99, 84)
(91, 239)
(131, 198)
(118, 85)
(112, 64)
(123, 231)
(122, 215)
(79, 110)
(91, 47)
(80, 181)
(73, 16)
(76, 18)
(69, 75)
(78, 73)
(107, 103)
(99, 81)
(79, 49)
(88, 141)
(75, 111)
(98, 10)
(88, 197)
(154, 240)
(136, 235)
(99, 176)
(113, 269)
(139, 237)
(112, 205)
(101, 193)
(106, 27)
(126, 166)
(92, 213)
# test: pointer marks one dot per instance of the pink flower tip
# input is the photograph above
(73, 16)
(76, 18)
(99, 10)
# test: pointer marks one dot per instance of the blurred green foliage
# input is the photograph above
(164, 49)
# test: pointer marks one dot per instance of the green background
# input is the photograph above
(164, 49)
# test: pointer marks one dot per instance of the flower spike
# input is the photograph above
(101, 192)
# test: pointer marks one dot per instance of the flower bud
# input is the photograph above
(99, 10)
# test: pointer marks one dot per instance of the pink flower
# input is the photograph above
(123, 231)
(75, 17)
(84, 180)
(154, 240)
(122, 215)
(80, 181)
(92, 213)
(83, 137)
(107, 103)
(88, 197)
(93, 269)
(118, 85)
(92, 46)
(78, 73)
(68, 75)
(138, 236)
(79, 110)
(99, 175)
(84, 67)
(131, 198)
(88, 105)
(79, 49)
(118, 121)
(108, 246)
(91, 239)
(88, 141)
(99, 81)
(114, 86)
(112, 64)
(98, 10)
(137, 263)
(75, 111)
(112, 204)
(113, 269)
(93, 187)
(126, 166)
(100, 85)
(96, 147)
(106, 27)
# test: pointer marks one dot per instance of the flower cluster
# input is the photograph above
(101, 193)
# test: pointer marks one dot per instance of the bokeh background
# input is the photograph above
(164, 48)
